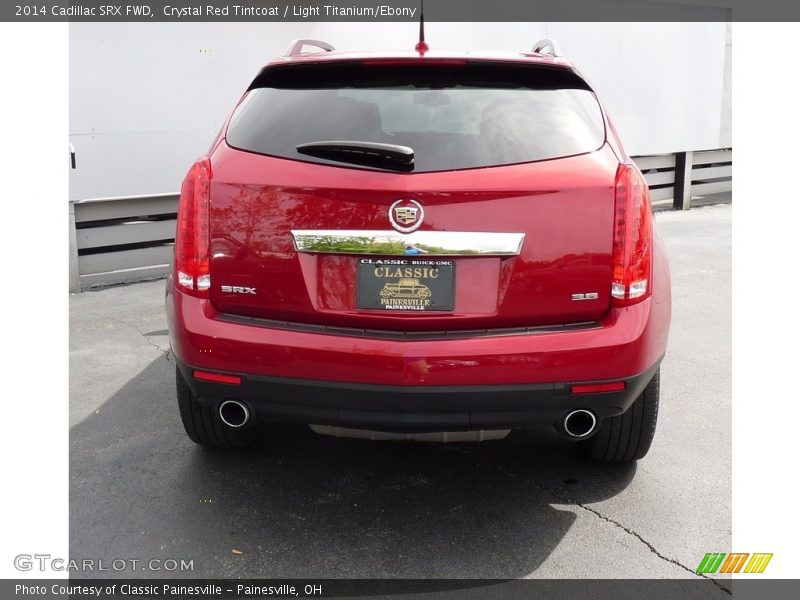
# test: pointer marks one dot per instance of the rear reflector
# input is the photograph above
(596, 388)
(217, 377)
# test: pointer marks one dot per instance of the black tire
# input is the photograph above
(627, 437)
(203, 425)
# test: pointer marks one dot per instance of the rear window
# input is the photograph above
(455, 116)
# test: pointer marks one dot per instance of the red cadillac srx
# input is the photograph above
(419, 242)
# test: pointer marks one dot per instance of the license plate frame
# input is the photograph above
(406, 284)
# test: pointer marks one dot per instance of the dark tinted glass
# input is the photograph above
(454, 117)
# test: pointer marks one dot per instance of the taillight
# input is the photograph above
(192, 235)
(632, 252)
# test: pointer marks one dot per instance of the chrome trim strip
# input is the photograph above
(392, 243)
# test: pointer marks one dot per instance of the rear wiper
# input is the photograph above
(373, 154)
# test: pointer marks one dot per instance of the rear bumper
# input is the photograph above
(495, 380)
(627, 342)
(413, 408)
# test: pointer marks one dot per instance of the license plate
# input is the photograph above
(406, 284)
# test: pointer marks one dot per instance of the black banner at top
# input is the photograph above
(398, 10)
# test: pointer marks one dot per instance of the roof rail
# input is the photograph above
(546, 46)
(295, 48)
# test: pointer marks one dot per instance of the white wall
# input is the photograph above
(147, 99)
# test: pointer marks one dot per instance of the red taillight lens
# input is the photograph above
(632, 252)
(192, 235)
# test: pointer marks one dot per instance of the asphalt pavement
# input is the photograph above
(302, 505)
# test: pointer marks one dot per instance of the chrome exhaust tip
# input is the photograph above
(234, 414)
(579, 423)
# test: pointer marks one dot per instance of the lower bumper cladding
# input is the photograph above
(416, 408)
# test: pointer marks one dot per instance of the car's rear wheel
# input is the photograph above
(627, 437)
(203, 424)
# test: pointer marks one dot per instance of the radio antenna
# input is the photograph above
(422, 46)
